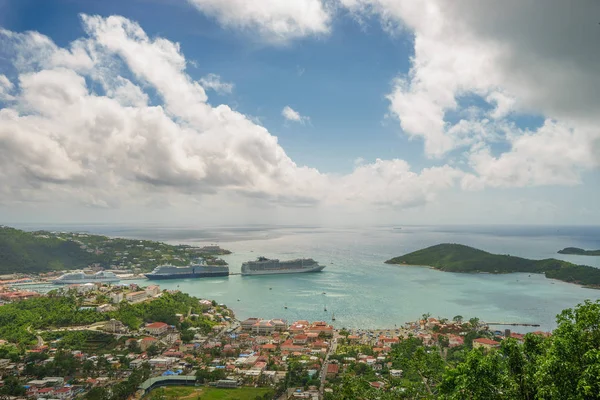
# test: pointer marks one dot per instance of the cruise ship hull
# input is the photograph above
(187, 275)
(316, 268)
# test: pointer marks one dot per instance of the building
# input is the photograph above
(396, 373)
(152, 290)
(157, 328)
(332, 370)
(247, 324)
(134, 297)
(114, 326)
(485, 343)
(227, 383)
(116, 297)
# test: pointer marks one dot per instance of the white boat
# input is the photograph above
(81, 277)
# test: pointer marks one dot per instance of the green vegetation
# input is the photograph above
(460, 258)
(208, 393)
(28, 252)
(579, 252)
(565, 365)
(42, 251)
(20, 320)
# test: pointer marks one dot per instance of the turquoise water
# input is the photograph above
(363, 291)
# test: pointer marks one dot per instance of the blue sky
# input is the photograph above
(345, 74)
(455, 110)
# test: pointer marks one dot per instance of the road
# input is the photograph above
(332, 349)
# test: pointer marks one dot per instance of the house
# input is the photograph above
(377, 384)
(157, 328)
(396, 373)
(332, 370)
(485, 343)
(300, 339)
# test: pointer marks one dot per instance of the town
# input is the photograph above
(103, 341)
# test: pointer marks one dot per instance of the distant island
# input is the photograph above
(579, 252)
(45, 251)
(459, 258)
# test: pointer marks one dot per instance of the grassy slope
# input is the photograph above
(460, 258)
(579, 252)
(208, 393)
(24, 252)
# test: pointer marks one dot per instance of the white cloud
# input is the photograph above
(519, 57)
(292, 115)
(213, 81)
(276, 21)
(61, 142)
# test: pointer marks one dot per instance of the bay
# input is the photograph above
(361, 290)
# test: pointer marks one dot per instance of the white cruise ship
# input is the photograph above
(265, 266)
(80, 277)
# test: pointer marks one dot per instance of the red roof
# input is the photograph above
(156, 325)
(333, 368)
(149, 339)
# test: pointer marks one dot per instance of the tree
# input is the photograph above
(12, 387)
(458, 319)
(203, 375)
(480, 377)
(97, 393)
(570, 368)
(474, 322)
(153, 350)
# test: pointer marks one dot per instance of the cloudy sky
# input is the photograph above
(300, 111)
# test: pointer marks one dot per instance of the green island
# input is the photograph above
(44, 251)
(451, 257)
(579, 252)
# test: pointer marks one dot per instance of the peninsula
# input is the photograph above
(579, 252)
(460, 258)
(45, 251)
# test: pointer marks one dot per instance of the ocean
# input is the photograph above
(361, 290)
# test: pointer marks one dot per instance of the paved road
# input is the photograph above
(325, 363)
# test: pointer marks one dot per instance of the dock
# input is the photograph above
(511, 324)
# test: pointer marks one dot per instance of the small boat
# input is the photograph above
(285, 307)
(333, 316)
(324, 293)
(325, 308)
(270, 288)
(238, 299)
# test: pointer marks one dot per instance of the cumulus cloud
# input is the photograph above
(213, 81)
(292, 115)
(61, 141)
(275, 20)
(519, 58)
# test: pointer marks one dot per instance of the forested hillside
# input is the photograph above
(22, 251)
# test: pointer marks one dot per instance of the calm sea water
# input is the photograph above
(364, 292)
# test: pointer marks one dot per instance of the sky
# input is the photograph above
(300, 111)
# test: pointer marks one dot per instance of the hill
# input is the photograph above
(43, 251)
(579, 252)
(460, 258)
(28, 252)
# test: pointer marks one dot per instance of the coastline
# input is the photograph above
(595, 287)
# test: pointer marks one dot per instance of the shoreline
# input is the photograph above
(595, 287)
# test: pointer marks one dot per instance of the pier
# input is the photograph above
(511, 324)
